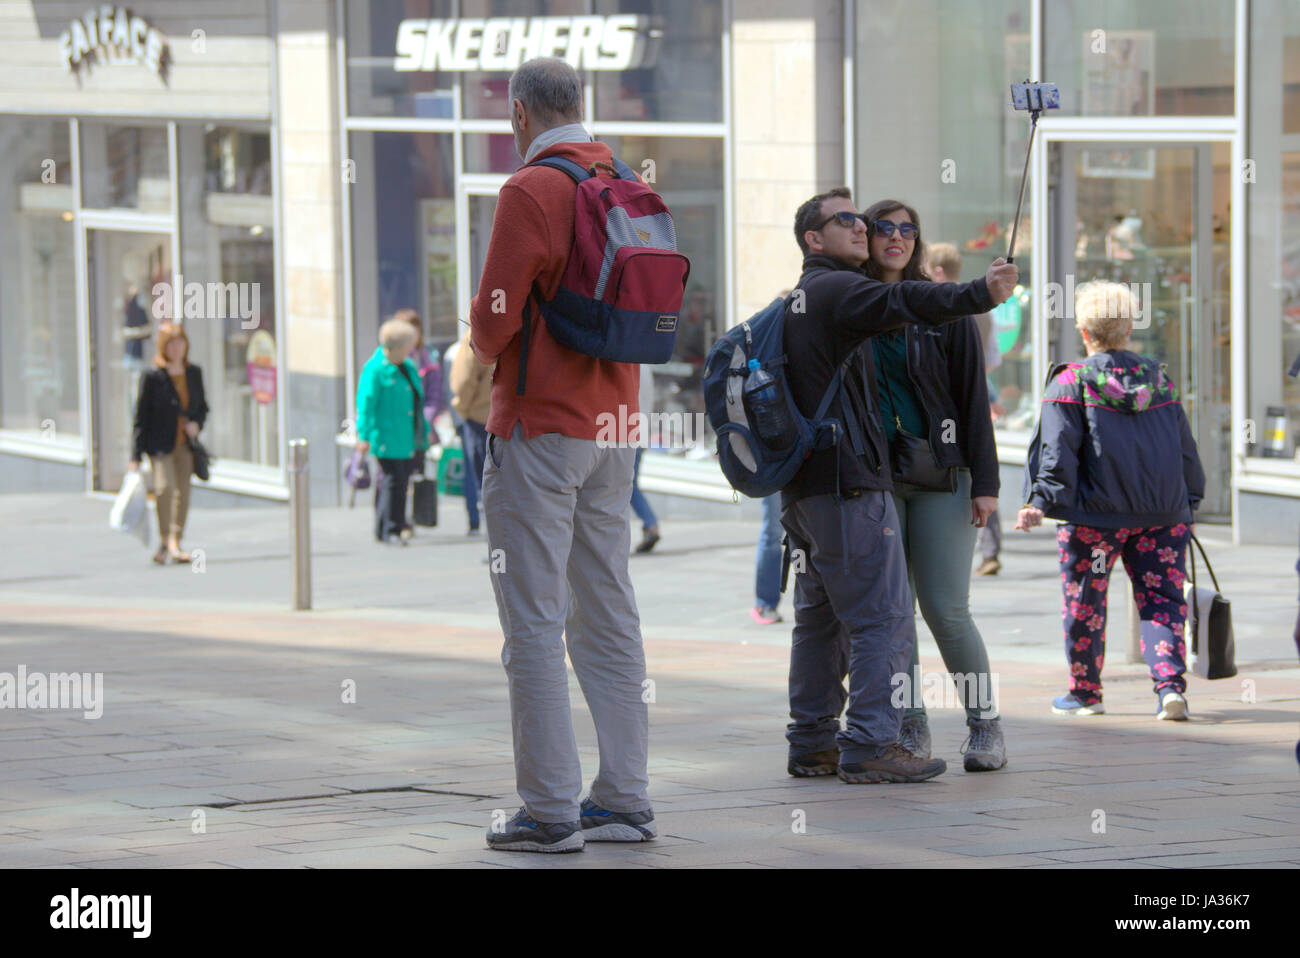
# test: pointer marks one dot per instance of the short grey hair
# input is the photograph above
(397, 334)
(549, 89)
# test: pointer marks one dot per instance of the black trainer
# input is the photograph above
(523, 833)
(814, 763)
(897, 764)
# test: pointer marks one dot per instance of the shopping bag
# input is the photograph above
(1209, 624)
(130, 504)
(424, 501)
(451, 471)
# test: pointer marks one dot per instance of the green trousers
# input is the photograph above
(940, 541)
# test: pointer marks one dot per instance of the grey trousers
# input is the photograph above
(558, 539)
(852, 614)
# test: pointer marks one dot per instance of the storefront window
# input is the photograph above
(1155, 58)
(1272, 429)
(688, 173)
(386, 55)
(679, 52)
(486, 93)
(403, 234)
(947, 143)
(227, 241)
(125, 167)
(38, 311)
(491, 153)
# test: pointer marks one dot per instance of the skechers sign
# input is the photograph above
(113, 35)
(620, 42)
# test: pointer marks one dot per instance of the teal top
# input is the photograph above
(388, 408)
(897, 399)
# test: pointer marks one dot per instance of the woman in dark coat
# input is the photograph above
(169, 413)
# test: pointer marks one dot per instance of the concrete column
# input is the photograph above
(311, 194)
(788, 140)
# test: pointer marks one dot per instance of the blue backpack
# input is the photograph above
(751, 461)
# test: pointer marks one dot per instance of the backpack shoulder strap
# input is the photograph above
(625, 172)
(564, 165)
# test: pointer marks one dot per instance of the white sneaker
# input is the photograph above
(1173, 706)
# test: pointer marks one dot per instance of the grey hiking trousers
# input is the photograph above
(558, 538)
(853, 615)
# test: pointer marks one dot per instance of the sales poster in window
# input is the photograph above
(1119, 80)
(438, 236)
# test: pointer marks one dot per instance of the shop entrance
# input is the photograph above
(122, 268)
(1153, 215)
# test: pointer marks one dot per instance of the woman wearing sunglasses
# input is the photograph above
(932, 399)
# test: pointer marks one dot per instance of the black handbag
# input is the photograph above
(912, 461)
(202, 460)
(424, 501)
(1209, 620)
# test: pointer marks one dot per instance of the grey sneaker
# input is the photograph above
(985, 750)
(602, 825)
(915, 737)
(523, 833)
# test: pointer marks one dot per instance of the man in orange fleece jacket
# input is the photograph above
(554, 501)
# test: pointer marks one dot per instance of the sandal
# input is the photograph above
(160, 557)
(180, 558)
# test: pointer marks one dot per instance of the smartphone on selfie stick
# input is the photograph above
(1034, 97)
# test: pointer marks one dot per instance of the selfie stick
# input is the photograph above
(1035, 95)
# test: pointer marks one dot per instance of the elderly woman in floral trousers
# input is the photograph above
(1114, 461)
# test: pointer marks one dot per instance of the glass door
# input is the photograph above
(477, 202)
(122, 268)
(1154, 216)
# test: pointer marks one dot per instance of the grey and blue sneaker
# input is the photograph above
(602, 825)
(985, 749)
(915, 736)
(1069, 705)
(523, 833)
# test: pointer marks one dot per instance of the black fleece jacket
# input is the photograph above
(841, 308)
(158, 407)
(945, 366)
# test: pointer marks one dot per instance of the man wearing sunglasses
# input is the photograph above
(853, 604)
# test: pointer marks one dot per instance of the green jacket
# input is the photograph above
(387, 416)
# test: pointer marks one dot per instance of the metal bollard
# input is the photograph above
(1134, 627)
(299, 524)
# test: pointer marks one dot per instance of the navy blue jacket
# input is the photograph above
(1113, 448)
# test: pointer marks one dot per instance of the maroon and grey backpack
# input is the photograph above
(621, 293)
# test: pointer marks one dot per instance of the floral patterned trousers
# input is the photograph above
(1154, 558)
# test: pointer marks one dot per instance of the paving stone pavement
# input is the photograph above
(224, 710)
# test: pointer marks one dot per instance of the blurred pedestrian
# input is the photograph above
(471, 399)
(1114, 462)
(933, 405)
(767, 573)
(170, 411)
(640, 504)
(391, 424)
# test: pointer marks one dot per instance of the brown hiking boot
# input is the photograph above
(814, 763)
(896, 765)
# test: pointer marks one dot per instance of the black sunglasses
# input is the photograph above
(887, 227)
(844, 218)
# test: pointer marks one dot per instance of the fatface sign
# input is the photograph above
(113, 35)
(621, 42)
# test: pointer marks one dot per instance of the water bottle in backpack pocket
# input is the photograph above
(767, 408)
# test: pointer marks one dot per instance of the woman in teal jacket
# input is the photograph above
(391, 424)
